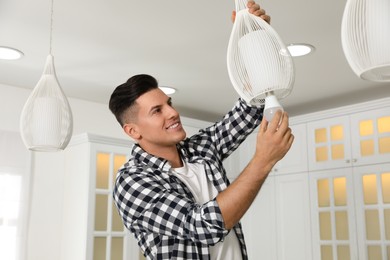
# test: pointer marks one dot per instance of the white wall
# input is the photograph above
(45, 217)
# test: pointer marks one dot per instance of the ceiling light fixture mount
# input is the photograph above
(300, 49)
(8, 53)
(168, 90)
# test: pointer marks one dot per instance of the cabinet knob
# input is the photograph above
(354, 160)
(348, 161)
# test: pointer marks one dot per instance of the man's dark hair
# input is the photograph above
(125, 95)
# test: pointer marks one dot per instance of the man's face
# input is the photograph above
(158, 123)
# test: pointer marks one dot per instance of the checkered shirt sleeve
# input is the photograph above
(233, 129)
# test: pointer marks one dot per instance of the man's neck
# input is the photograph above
(170, 154)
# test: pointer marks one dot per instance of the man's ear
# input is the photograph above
(131, 130)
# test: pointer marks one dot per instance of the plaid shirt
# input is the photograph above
(161, 211)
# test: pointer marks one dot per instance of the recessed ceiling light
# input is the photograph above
(168, 90)
(300, 49)
(7, 53)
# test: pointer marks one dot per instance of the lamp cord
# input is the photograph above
(51, 25)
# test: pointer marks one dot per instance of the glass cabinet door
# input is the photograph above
(111, 240)
(373, 211)
(329, 144)
(371, 137)
(333, 219)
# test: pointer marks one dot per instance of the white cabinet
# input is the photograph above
(239, 159)
(329, 197)
(232, 165)
(295, 161)
(277, 225)
(259, 224)
(329, 143)
(296, 158)
(350, 210)
(293, 217)
(247, 150)
(372, 203)
(92, 228)
(333, 215)
(358, 139)
(371, 137)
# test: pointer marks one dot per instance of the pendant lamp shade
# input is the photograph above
(46, 122)
(365, 35)
(258, 62)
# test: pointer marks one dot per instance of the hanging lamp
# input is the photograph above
(365, 35)
(260, 66)
(46, 122)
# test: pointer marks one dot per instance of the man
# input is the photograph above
(173, 193)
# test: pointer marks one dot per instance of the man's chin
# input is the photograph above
(183, 137)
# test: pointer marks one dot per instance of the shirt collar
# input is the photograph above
(143, 157)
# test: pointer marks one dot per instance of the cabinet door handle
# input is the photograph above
(354, 160)
(347, 161)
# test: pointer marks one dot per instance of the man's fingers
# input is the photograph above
(250, 3)
(276, 121)
(258, 11)
(263, 125)
(233, 16)
(266, 18)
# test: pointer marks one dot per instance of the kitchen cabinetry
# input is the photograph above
(327, 199)
(329, 143)
(295, 160)
(351, 213)
(277, 225)
(357, 139)
(372, 203)
(370, 137)
(333, 215)
(92, 228)
(349, 179)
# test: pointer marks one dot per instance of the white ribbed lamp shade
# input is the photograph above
(258, 62)
(365, 35)
(46, 122)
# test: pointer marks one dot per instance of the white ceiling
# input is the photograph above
(99, 44)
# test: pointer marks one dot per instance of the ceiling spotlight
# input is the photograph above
(300, 49)
(7, 53)
(168, 90)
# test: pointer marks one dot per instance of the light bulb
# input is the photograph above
(272, 105)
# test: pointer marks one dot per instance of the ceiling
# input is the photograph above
(99, 44)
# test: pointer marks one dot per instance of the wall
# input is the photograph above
(44, 225)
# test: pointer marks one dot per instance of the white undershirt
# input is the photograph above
(194, 176)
